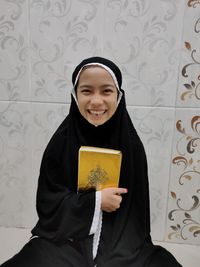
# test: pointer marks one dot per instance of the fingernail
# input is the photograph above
(126, 190)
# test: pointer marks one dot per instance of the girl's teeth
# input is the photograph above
(96, 113)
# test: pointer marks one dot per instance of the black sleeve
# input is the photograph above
(63, 213)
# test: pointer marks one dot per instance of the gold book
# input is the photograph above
(98, 168)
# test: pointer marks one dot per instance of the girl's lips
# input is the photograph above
(97, 112)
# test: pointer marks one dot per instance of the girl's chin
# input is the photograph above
(96, 122)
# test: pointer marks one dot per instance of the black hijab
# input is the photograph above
(63, 213)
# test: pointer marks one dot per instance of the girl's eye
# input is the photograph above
(108, 91)
(85, 91)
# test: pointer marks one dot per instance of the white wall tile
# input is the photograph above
(15, 164)
(144, 38)
(14, 51)
(155, 128)
(62, 33)
(11, 241)
(25, 131)
(46, 118)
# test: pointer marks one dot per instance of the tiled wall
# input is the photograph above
(156, 43)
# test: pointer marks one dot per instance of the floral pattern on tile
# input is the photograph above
(184, 202)
(191, 89)
(189, 79)
(193, 3)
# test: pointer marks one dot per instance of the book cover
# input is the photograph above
(98, 168)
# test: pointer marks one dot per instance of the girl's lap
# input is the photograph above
(39, 252)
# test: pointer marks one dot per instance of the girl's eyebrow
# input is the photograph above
(85, 85)
(108, 85)
(91, 86)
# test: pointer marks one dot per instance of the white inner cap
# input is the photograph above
(106, 68)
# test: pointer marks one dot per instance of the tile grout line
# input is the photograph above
(68, 103)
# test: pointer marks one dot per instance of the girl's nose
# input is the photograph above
(96, 99)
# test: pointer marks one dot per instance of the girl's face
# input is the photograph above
(96, 95)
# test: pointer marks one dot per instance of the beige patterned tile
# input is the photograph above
(189, 79)
(183, 224)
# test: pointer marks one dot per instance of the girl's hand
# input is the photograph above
(111, 198)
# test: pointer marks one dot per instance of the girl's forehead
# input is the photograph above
(95, 73)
